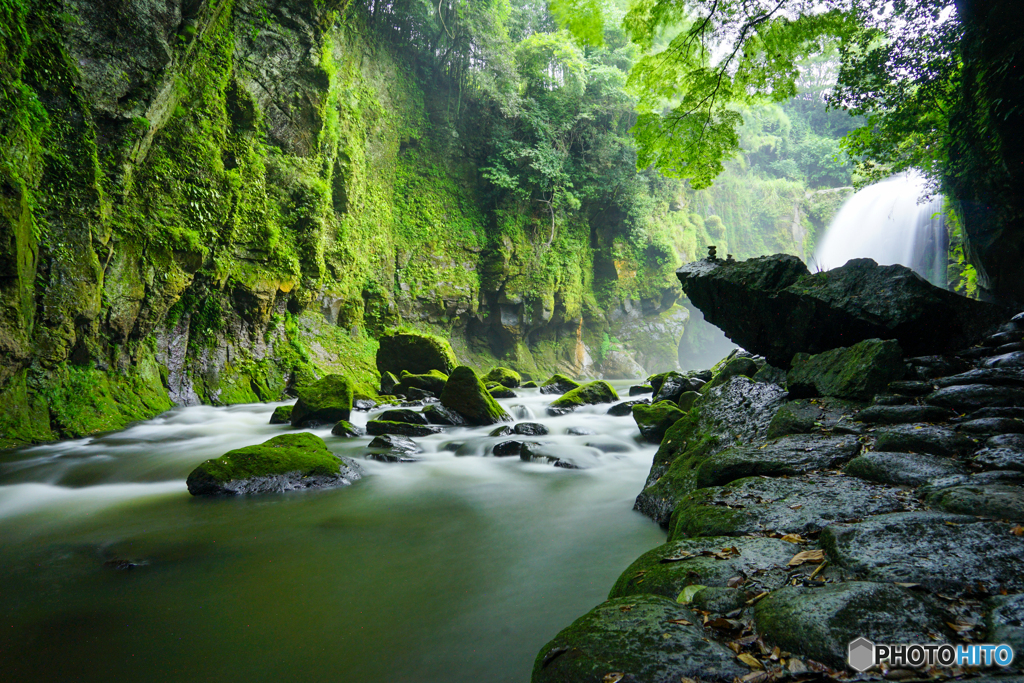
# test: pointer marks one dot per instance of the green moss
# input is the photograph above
(561, 383)
(415, 352)
(281, 415)
(432, 381)
(654, 420)
(588, 394)
(304, 453)
(324, 402)
(466, 394)
(504, 376)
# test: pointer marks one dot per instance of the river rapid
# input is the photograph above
(457, 568)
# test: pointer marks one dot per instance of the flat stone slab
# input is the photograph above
(785, 456)
(922, 438)
(942, 552)
(1005, 622)
(1014, 359)
(794, 505)
(1000, 459)
(992, 425)
(998, 501)
(641, 639)
(903, 414)
(379, 427)
(902, 469)
(819, 623)
(708, 561)
(996, 376)
(968, 397)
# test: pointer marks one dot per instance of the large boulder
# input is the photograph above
(285, 463)
(432, 381)
(858, 372)
(504, 376)
(414, 352)
(774, 306)
(323, 402)
(588, 394)
(558, 384)
(466, 394)
(654, 420)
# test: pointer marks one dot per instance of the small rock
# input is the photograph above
(579, 431)
(687, 399)
(1006, 441)
(507, 448)
(1008, 337)
(640, 389)
(903, 414)
(392, 456)
(499, 391)
(396, 442)
(610, 445)
(718, 600)
(378, 427)
(911, 387)
(558, 384)
(737, 367)
(1011, 377)
(388, 382)
(364, 404)
(503, 430)
(323, 402)
(564, 456)
(786, 456)
(282, 415)
(346, 429)
(530, 429)
(588, 394)
(654, 420)
(438, 414)
(466, 394)
(415, 353)
(504, 376)
(626, 407)
(406, 415)
(795, 417)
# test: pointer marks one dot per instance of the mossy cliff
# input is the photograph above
(218, 201)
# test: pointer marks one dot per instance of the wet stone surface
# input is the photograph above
(785, 456)
(902, 469)
(998, 501)
(922, 438)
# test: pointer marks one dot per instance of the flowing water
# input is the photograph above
(456, 568)
(889, 223)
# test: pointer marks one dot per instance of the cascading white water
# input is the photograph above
(889, 223)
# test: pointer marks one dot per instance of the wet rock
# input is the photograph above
(860, 300)
(284, 463)
(770, 374)
(439, 415)
(925, 368)
(346, 429)
(1000, 459)
(640, 389)
(281, 415)
(718, 600)
(579, 431)
(504, 376)
(943, 552)
(392, 456)
(911, 387)
(641, 636)
(323, 402)
(388, 382)
(418, 396)
(1014, 359)
(1009, 477)
(626, 407)
(364, 404)
(503, 430)
(466, 394)
(1011, 377)
(1007, 337)
(671, 567)
(499, 391)
(966, 398)
(737, 367)
(922, 438)
(530, 385)
(588, 394)
(530, 429)
(566, 456)
(819, 623)
(687, 400)
(671, 387)
(1005, 411)
(558, 384)
(396, 443)
(378, 427)
(902, 469)
(891, 400)
(904, 414)
(998, 501)
(857, 372)
(1006, 441)
(1005, 621)
(992, 425)
(788, 455)
(507, 448)
(404, 415)
(610, 445)
(800, 505)
(654, 420)
(1009, 348)
(416, 385)
(795, 417)
(417, 353)
(737, 412)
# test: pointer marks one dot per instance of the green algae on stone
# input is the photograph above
(654, 420)
(650, 637)
(588, 394)
(466, 394)
(500, 391)
(415, 352)
(286, 462)
(857, 372)
(324, 402)
(735, 367)
(558, 384)
(346, 429)
(432, 381)
(504, 376)
(281, 415)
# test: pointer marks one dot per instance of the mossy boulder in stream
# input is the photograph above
(504, 376)
(466, 394)
(432, 381)
(588, 394)
(414, 352)
(644, 637)
(858, 372)
(558, 384)
(323, 402)
(284, 463)
(654, 420)
(282, 415)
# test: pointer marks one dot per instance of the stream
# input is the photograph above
(458, 568)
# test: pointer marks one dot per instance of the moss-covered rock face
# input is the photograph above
(654, 420)
(281, 415)
(432, 381)
(734, 368)
(857, 372)
(466, 394)
(323, 402)
(499, 391)
(588, 394)
(284, 463)
(415, 352)
(558, 384)
(645, 637)
(504, 376)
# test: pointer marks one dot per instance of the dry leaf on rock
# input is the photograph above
(807, 557)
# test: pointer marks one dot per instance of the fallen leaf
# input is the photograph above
(755, 677)
(683, 555)
(793, 538)
(795, 507)
(750, 661)
(613, 677)
(734, 646)
(687, 595)
(960, 626)
(723, 624)
(775, 654)
(684, 622)
(735, 581)
(807, 556)
(625, 608)
(1017, 530)
(796, 666)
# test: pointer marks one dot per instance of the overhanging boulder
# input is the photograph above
(773, 306)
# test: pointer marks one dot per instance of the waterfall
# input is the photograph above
(889, 223)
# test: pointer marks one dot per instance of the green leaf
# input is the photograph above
(686, 597)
